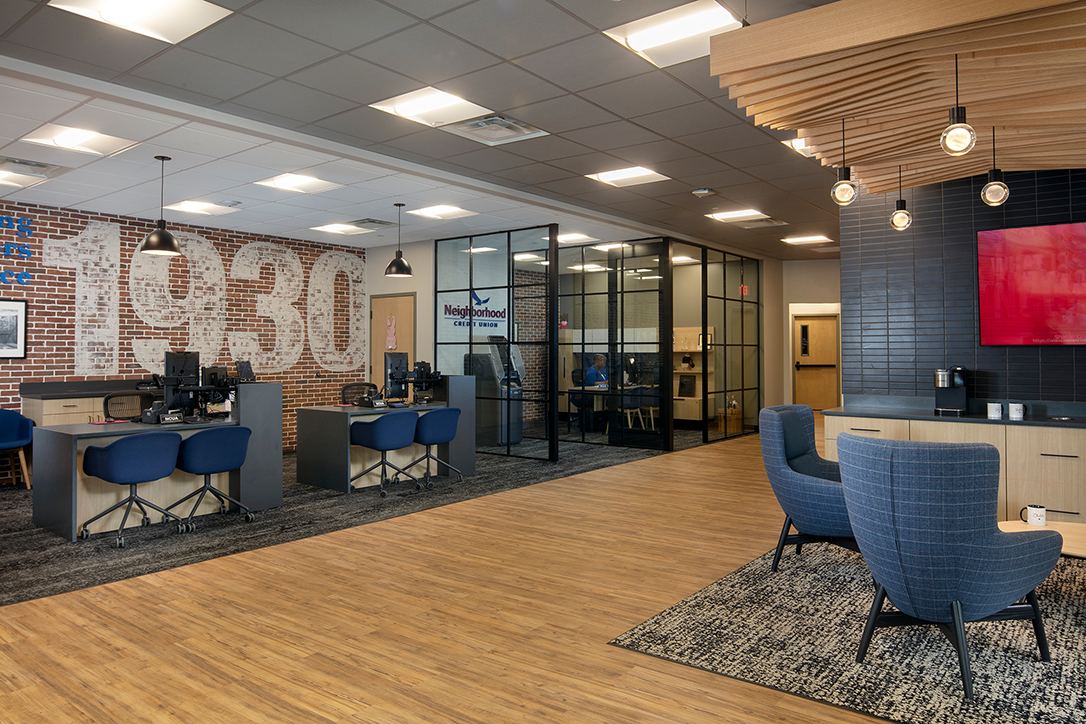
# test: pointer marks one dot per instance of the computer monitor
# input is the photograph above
(182, 368)
(214, 377)
(396, 362)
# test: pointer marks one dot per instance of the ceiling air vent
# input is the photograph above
(375, 224)
(20, 172)
(759, 223)
(493, 129)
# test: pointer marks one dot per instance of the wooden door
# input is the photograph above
(392, 329)
(814, 359)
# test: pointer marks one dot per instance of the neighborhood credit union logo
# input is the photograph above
(477, 314)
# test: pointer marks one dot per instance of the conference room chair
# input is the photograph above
(650, 401)
(126, 405)
(16, 432)
(807, 486)
(436, 427)
(130, 461)
(351, 393)
(211, 451)
(925, 517)
(631, 401)
(389, 431)
(575, 409)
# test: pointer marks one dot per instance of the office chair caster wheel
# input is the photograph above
(384, 493)
(350, 488)
(223, 509)
(84, 534)
(249, 517)
(146, 521)
(120, 542)
(459, 478)
(429, 485)
(190, 527)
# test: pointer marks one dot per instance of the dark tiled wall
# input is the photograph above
(909, 299)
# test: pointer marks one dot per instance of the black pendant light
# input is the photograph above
(845, 190)
(398, 267)
(160, 242)
(959, 137)
(901, 219)
(995, 192)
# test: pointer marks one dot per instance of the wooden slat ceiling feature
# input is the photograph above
(887, 70)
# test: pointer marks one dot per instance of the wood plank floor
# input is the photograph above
(492, 610)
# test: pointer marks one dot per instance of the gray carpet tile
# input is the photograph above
(798, 630)
(36, 563)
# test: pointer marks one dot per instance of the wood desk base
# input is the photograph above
(1074, 534)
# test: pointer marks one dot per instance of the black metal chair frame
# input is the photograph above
(220, 495)
(799, 539)
(383, 462)
(132, 499)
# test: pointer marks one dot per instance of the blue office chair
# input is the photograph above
(130, 461)
(807, 486)
(575, 409)
(632, 401)
(214, 450)
(16, 432)
(650, 400)
(389, 431)
(436, 427)
(924, 514)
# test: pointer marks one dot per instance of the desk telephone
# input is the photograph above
(370, 396)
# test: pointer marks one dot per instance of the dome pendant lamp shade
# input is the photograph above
(901, 219)
(845, 190)
(995, 192)
(160, 242)
(398, 267)
(959, 137)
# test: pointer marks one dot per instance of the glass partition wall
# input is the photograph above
(493, 319)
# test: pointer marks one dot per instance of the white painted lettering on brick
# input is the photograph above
(277, 306)
(321, 305)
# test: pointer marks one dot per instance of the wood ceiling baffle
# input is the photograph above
(887, 69)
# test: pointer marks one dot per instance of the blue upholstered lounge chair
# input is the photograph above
(924, 514)
(807, 486)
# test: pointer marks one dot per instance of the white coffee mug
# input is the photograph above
(995, 411)
(1016, 411)
(1034, 516)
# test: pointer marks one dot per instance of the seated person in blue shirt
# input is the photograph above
(596, 374)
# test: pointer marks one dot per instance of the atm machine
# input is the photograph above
(499, 409)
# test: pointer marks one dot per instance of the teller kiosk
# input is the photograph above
(499, 409)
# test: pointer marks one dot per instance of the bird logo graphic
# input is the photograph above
(478, 302)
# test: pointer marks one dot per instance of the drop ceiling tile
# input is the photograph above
(685, 120)
(661, 188)
(343, 24)
(546, 148)
(13, 11)
(58, 62)
(685, 168)
(643, 207)
(781, 170)
(512, 29)
(570, 186)
(114, 123)
(647, 154)
(256, 45)
(78, 38)
(369, 124)
(695, 73)
(726, 177)
(14, 127)
(501, 87)
(292, 100)
(344, 173)
(606, 136)
(586, 62)
(411, 157)
(198, 138)
(608, 195)
(255, 114)
(355, 79)
(395, 185)
(434, 143)
(604, 15)
(426, 54)
(589, 163)
(166, 91)
(428, 8)
(641, 94)
(822, 178)
(47, 154)
(536, 173)
(198, 73)
(565, 113)
(488, 160)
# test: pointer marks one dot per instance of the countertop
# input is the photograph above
(890, 413)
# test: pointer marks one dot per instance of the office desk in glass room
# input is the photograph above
(326, 458)
(64, 497)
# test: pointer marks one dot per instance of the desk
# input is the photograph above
(1074, 534)
(326, 458)
(64, 497)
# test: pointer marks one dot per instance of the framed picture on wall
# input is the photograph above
(12, 329)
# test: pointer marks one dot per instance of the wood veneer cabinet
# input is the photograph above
(1047, 466)
(864, 427)
(66, 411)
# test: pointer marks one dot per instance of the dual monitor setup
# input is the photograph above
(188, 389)
(398, 376)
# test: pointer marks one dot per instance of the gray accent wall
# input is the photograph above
(909, 299)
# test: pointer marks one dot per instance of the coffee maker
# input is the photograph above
(950, 397)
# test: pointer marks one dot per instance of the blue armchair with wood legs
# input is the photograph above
(807, 486)
(925, 517)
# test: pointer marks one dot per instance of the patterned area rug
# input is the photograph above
(797, 631)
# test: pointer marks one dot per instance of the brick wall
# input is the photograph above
(99, 311)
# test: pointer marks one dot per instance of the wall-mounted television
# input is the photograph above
(1032, 285)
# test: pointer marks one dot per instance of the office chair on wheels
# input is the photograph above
(130, 461)
(355, 391)
(215, 450)
(390, 431)
(436, 427)
(126, 405)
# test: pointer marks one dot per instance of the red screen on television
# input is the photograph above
(1032, 285)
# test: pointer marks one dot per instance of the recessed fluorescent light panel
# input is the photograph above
(526, 257)
(431, 107)
(573, 238)
(442, 212)
(743, 215)
(676, 35)
(609, 247)
(78, 139)
(201, 207)
(494, 130)
(170, 21)
(628, 176)
(478, 249)
(345, 229)
(806, 240)
(799, 145)
(299, 183)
